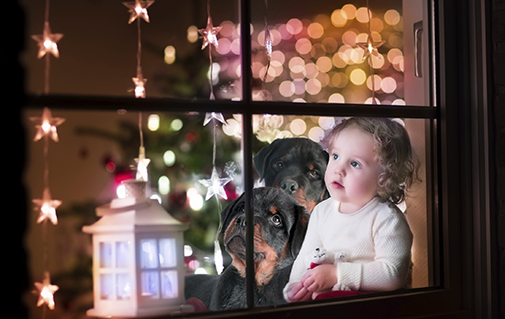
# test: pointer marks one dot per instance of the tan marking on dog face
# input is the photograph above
(265, 268)
(237, 262)
(273, 210)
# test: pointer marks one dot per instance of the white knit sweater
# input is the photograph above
(374, 245)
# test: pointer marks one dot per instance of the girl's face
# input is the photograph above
(352, 173)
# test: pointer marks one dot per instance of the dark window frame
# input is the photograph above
(462, 235)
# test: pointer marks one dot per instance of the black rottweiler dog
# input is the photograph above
(280, 224)
(297, 166)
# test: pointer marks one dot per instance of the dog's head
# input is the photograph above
(280, 224)
(297, 166)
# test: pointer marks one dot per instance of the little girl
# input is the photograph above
(371, 164)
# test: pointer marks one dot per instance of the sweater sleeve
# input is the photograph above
(311, 241)
(388, 271)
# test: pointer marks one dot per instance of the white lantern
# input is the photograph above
(138, 259)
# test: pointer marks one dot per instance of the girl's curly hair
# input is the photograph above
(395, 156)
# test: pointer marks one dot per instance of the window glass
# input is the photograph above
(330, 52)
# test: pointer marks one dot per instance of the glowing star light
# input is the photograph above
(138, 8)
(209, 116)
(140, 90)
(46, 125)
(47, 42)
(47, 207)
(215, 185)
(142, 163)
(46, 292)
(209, 34)
(370, 47)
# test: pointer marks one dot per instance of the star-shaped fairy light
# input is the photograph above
(138, 8)
(209, 116)
(47, 207)
(142, 163)
(215, 185)
(370, 47)
(46, 291)
(209, 34)
(140, 90)
(46, 125)
(47, 42)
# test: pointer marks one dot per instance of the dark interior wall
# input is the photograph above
(498, 121)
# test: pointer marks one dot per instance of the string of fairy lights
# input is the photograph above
(46, 125)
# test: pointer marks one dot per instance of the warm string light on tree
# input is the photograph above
(46, 126)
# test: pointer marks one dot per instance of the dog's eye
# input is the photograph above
(314, 173)
(279, 165)
(276, 220)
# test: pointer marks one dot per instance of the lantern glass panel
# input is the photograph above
(106, 255)
(169, 285)
(106, 286)
(122, 254)
(123, 287)
(150, 284)
(148, 254)
(167, 252)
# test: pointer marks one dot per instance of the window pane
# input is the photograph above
(107, 286)
(169, 285)
(148, 253)
(123, 254)
(106, 255)
(168, 256)
(123, 287)
(150, 284)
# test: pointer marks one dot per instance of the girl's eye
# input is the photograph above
(355, 164)
(335, 157)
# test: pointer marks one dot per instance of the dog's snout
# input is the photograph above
(289, 186)
(241, 220)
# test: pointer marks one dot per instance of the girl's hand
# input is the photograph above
(298, 292)
(320, 278)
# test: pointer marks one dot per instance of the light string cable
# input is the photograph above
(370, 59)
(268, 48)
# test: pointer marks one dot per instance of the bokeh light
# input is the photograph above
(392, 17)
(192, 34)
(169, 54)
(294, 26)
(338, 18)
(388, 85)
(315, 30)
(164, 185)
(316, 134)
(357, 76)
(303, 46)
(169, 158)
(362, 15)
(153, 122)
(176, 125)
(298, 126)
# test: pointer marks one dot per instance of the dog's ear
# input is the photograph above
(231, 211)
(262, 159)
(299, 229)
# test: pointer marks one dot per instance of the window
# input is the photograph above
(429, 112)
